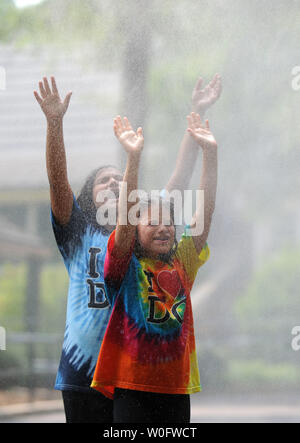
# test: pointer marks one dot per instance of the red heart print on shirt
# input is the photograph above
(169, 282)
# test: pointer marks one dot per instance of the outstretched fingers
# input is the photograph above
(217, 85)
(46, 86)
(38, 98)
(121, 125)
(139, 132)
(118, 126)
(54, 86)
(45, 89)
(198, 121)
(198, 84)
(127, 124)
(214, 88)
(67, 100)
(116, 131)
(195, 123)
(214, 80)
(42, 90)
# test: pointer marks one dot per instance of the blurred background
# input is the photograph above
(142, 59)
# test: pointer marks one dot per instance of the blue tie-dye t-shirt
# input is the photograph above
(83, 248)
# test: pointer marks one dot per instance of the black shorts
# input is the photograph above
(87, 407)
(148, 407)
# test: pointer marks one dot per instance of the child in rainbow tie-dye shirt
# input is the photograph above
(148, 362)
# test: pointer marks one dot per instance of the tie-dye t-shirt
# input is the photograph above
(83, 249)
(149, 344)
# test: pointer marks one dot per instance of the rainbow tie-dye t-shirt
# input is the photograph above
(149, 344)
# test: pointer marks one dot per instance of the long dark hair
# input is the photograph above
(85, 197)
(138, 249)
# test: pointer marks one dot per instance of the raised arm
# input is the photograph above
(54, 109)
(208, 182)
(202, 99)
(133, 143)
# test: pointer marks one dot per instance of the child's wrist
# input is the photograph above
(134, 155)
(209, 150)
(133, 158)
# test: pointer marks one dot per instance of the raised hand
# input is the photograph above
(52, 105)
(202, 99)
(132, 142)
(199, 132)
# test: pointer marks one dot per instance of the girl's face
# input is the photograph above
(156, 233)
(107, 180)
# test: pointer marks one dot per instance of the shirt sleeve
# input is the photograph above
(69, 236)
(115, 267)
(188, 256)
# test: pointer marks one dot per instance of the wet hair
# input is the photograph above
(139, 251)
(85, 197)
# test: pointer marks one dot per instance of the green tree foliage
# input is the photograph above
(54, 290)
(12, 292)
(270, 308)
(53, 287)
(9, 17)
(71, 23)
